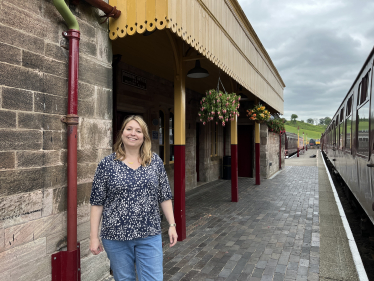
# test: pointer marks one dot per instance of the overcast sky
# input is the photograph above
(317, 46)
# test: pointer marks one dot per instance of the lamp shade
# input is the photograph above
(197, 71)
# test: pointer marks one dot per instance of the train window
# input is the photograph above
(363, 129)
(363, 90)
(349, 106)
(341, 134)
(348, 132)
(341, 114)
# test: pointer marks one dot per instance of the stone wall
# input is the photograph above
(33, 98)
(269, 152)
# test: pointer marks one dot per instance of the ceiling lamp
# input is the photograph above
(198, 71)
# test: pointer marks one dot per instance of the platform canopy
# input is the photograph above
(217, 29)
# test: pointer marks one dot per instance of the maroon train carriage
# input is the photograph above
(348, 141)
(291, 144)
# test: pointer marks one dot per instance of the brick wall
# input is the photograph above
(33, 97)
(269, 152)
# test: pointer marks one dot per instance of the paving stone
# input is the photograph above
(272, 233)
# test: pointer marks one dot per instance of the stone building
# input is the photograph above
(134, 74)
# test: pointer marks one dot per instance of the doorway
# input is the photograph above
(245, 151)
(197, 151)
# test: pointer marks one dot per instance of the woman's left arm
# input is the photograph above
(167, 208)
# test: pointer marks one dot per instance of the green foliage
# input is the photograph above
(218, 107)
(294, 117)
(313, 131)
(276, 125)
(310, 121)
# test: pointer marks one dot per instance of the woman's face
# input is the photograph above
(132, 135)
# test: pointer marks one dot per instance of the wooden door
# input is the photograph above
(245, 151)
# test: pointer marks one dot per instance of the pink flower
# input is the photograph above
(233, 101)
(213, 112)
(201, 120)
(238, 98)
(210, 92)
(219, 112)
(227, 104)
(199, 114)
(220, 94)
(214, 101)
(203, 99)
(202, 108)
(224, 111)
(228, 98)
(227, 119)
(204, 123)
(223, 124)
(216, 123)
(201, 102)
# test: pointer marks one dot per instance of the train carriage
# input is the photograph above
(348, 141)
(291, 144)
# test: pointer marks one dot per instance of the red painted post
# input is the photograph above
(180, 190)
(257, 152)
(280, 151)
(234, 173)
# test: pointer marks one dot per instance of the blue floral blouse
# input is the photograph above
(130, 198)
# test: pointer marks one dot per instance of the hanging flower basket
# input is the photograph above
(276, 125)
(218, 107)
(258, 113)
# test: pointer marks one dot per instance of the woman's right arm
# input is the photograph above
(95, 245)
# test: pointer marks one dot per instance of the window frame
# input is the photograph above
(214, 142)
(360, 105)
(163, 131)
(348, 115)
(171, 115)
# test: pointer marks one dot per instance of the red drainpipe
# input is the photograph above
(66, 264)
(72, 124)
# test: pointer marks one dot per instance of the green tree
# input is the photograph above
(310, 121)
(294, 117)
(327, 120)
(322, 121)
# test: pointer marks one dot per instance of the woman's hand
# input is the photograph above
(173, 236)
(95, 246)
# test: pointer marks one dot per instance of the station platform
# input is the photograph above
(287, 228)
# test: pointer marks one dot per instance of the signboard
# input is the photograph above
(134, 80)
(154, 135)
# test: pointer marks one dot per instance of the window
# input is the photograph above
(214, 139)
(363, 129)
(348, 124)
(364, 90)
(161, 135)
(363, 116)
(171, 137)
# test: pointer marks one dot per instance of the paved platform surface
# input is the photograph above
(288, 228)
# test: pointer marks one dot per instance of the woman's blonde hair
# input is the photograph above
(145, 149)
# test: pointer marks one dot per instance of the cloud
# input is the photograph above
(317, 46)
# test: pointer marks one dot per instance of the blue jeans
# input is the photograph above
(145, 253)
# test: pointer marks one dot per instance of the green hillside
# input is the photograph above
(313, 131)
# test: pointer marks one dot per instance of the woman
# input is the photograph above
(127, 189)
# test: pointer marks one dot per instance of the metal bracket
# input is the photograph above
(70, 119)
